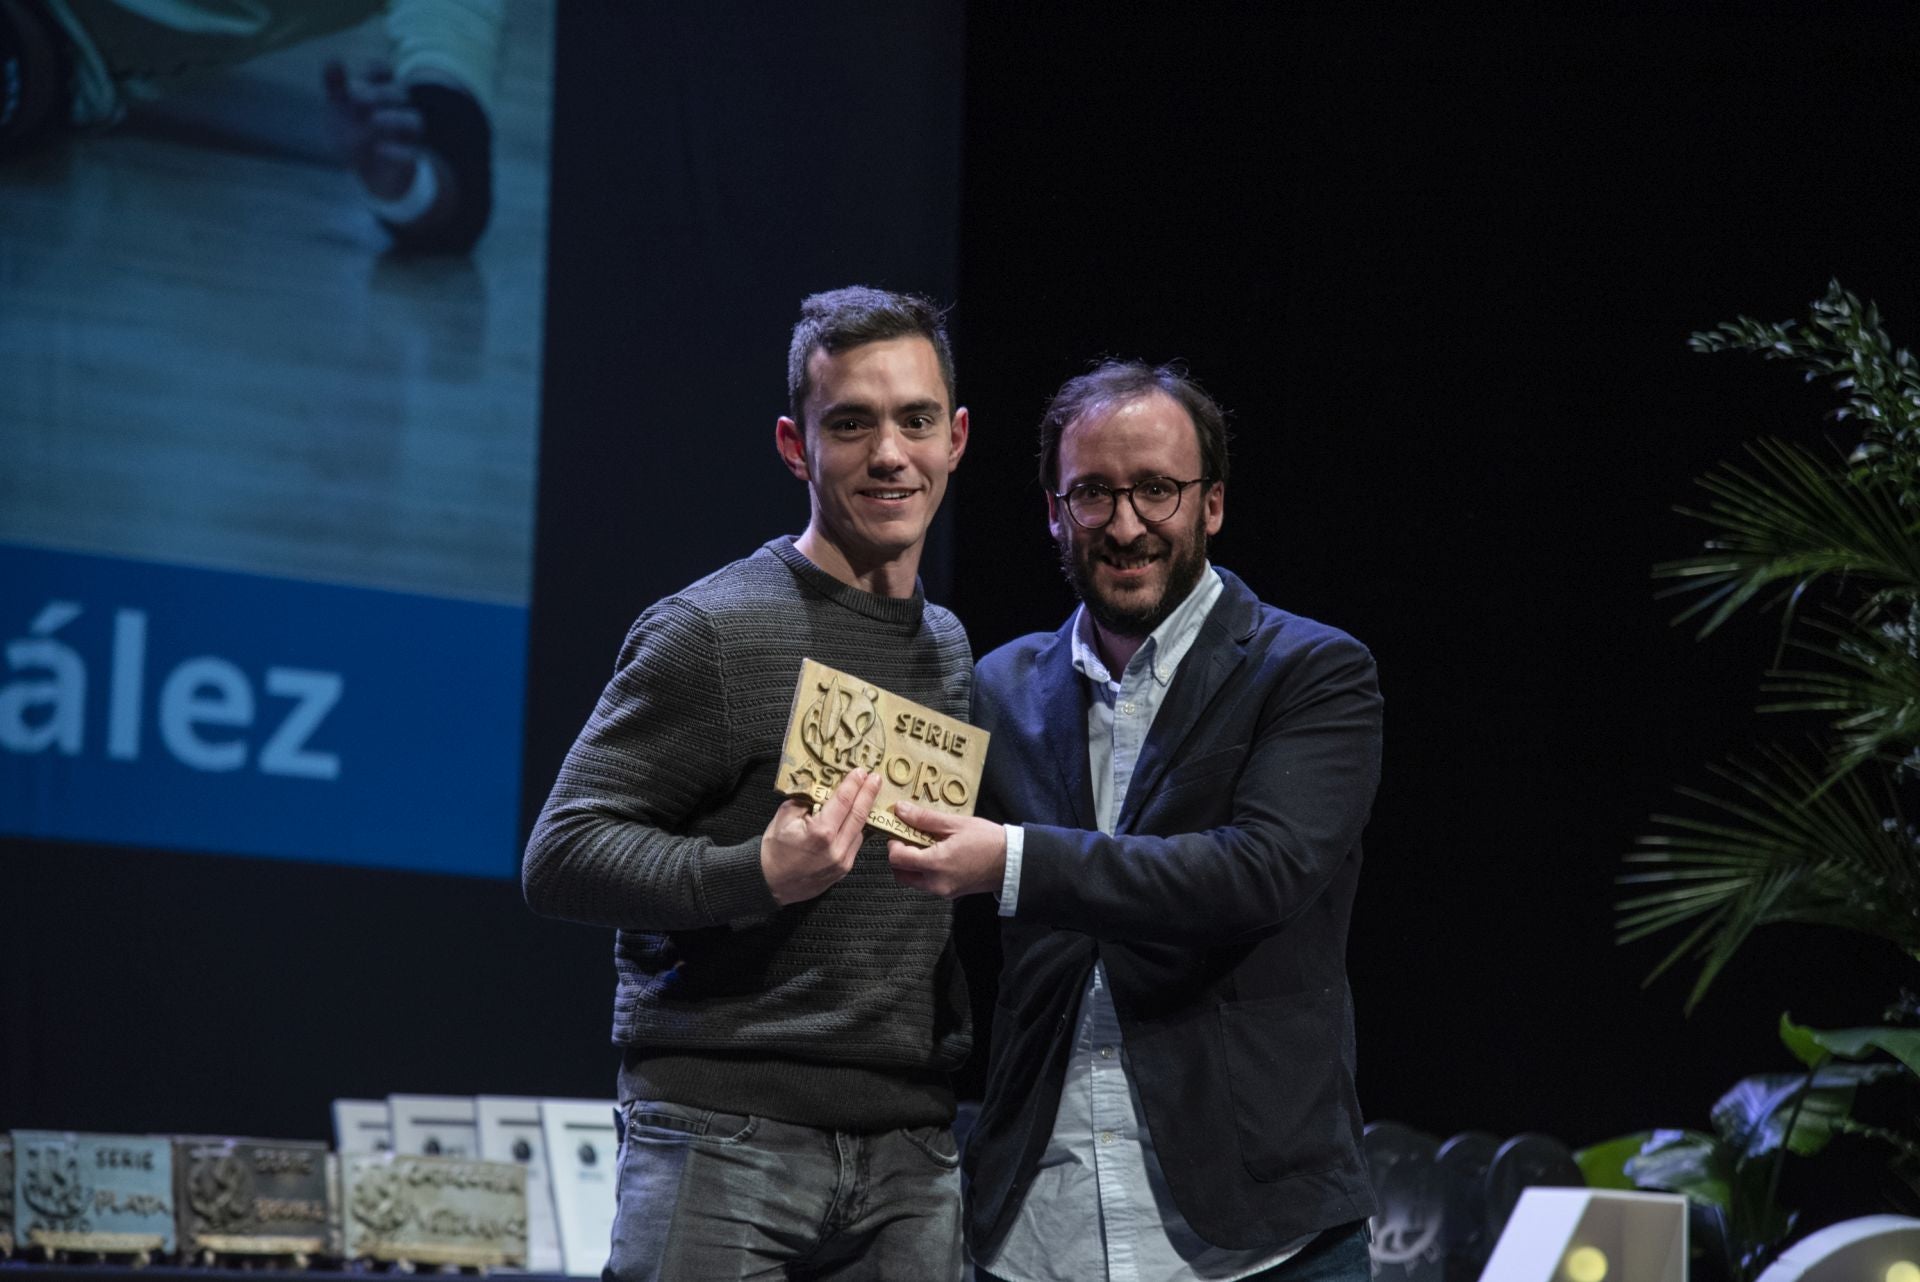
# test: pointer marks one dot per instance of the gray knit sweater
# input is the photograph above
(844, 1011)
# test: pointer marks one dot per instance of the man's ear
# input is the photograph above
(957, 440)
(1056, 519)
(790, 441)
(1216, 503)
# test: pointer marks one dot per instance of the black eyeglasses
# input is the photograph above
(1092, 504)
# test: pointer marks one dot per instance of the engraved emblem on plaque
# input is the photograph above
(841, 728)
(841, 723)
(220, 1193)
(376, 1204)
(50, 1181)
(99, 1194)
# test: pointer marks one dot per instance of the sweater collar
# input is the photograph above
(904, 612)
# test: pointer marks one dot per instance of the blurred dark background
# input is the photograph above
(1442, 272)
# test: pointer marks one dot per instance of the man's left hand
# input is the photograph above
(968, 857)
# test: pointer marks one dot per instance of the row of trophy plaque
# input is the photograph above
(493, 1182)
(507, 1182)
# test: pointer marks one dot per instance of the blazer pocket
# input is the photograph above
(1287, 1074)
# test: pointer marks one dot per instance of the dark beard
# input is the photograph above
(1182, 574)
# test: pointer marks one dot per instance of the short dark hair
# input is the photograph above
(840, 319)
(1113, 383)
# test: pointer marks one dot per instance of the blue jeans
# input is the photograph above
(708, 1196)
(1335, 1257)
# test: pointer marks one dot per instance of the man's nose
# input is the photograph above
(1126, 525)
(888, 453)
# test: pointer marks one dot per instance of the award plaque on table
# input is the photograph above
(840, 723)
(434, 1125)
(583, 1156)
(510, 1132)
(403, 1208)
(362, 1126)
(248, 1199)
(100, 1194)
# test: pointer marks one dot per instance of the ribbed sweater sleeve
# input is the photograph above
(608, 849)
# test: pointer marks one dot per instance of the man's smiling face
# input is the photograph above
(877, 446)
(1132, 574)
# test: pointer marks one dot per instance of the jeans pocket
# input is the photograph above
(937, 1143)
(661, 1122)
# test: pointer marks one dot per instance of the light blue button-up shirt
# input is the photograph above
(1099, 1206)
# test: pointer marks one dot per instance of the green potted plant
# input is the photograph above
(1819, 835)
(1822, 836)
(1732, 1172)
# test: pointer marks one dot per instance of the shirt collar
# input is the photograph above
(1165, 646)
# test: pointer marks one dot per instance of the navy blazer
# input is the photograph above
(1219, 905)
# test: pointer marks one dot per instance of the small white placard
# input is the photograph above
(362, 1126)
(1557, 1233)
(510, 1132)
(583, 1155)
(434, 1125)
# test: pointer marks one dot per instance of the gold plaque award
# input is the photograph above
(841, 723)
(251, 1198)
(434, 1210)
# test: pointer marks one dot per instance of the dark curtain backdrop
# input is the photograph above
(1442, 272)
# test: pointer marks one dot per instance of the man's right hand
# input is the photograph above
(802, 853)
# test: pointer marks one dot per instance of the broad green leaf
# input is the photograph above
(1753, 1116)
(1857, 1043)
(1605, 1164)
(1801, 1041)
(1685, 1162)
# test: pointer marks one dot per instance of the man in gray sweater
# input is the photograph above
(788, 1012)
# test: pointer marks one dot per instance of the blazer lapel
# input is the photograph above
(1216, 652)
(1061, 699)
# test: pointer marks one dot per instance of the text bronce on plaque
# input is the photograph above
(841, 723)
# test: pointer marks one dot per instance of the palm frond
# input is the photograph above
(1790, 523)
(1872, 690)
(1822, 839)
(1789, 844)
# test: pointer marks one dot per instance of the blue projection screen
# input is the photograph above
(266, 480)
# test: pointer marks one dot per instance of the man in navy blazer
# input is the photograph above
(1186, 772)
